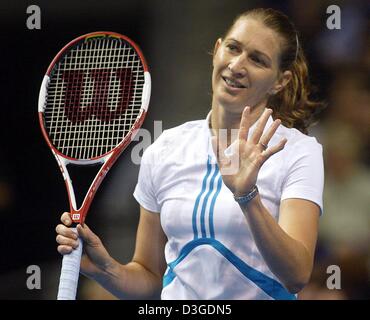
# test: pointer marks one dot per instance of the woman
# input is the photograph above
(242, 225)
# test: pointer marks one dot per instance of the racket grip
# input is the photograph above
(70, 273)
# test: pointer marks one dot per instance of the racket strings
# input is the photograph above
(94, 97)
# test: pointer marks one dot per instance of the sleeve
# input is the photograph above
(305, 173)
(144, 192)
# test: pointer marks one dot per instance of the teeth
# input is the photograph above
(233, 83)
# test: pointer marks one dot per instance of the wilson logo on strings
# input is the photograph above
(87, 94)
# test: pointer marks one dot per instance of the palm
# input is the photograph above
(245, 172)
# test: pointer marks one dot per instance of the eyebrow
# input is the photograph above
(255, 50)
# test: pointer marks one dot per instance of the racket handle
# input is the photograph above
(70, 273)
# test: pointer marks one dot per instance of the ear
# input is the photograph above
(217, 46)
(282, 81)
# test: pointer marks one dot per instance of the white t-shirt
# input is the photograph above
(210, 251)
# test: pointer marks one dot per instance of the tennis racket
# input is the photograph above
(93, 99)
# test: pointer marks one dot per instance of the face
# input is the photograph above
(246, 66)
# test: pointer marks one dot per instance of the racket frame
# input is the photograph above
(108, 159)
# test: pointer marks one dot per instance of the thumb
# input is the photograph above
(214, 142)
(219, 146)
(218, 149)
(89, 237)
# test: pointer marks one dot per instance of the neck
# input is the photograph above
(222, 118)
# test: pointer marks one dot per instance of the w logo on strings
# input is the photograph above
(103, 93)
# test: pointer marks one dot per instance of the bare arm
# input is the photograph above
(142, 277)
(288, 245)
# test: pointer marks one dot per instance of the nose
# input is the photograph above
(237, 66)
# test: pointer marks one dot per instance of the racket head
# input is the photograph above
(94, 96)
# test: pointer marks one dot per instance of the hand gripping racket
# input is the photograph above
(93, 99)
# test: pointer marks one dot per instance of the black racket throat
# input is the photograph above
(81, 177)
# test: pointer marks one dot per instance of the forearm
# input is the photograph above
(286, 257)
(130, 281)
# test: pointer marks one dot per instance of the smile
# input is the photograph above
(233, 83)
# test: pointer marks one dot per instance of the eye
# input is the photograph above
(258, 60)
(232, 47)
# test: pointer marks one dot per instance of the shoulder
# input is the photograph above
(180, 133)
(301, 150)
(302, 167)
(175, 137)
(298, 143)
(187, 128)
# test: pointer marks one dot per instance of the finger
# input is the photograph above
(274, 149)
(214, 145)
(261, 125)
(62, 249)
(66, 232)
(62, 240)
(219, 148)
(244, 124)
(265, 139)
(87, 235)
(66, 218)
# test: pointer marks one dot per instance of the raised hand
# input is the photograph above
(240, 169)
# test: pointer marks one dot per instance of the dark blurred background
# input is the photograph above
(176, 38)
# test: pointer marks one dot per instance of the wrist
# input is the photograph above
(110, 266)
(247, 197)
(108, 273)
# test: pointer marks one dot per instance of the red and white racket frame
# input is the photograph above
(71, 262)
(78, 214)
